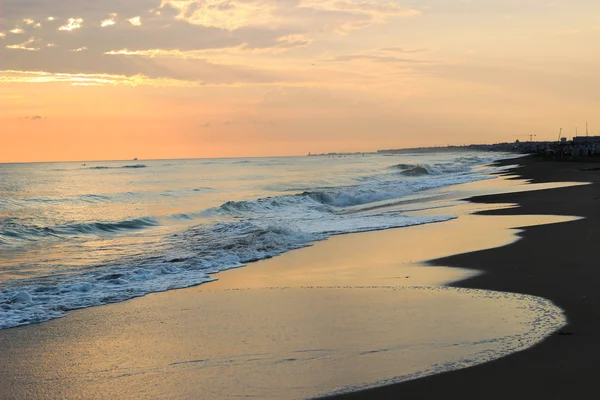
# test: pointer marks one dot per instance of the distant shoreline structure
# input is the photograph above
(499, 147)
(506, 147)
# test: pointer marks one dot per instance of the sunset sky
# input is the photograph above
(88, 79)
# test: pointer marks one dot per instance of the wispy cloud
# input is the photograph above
(11, 76)
(183, 39)
(24, 46)
(374, 58)
(334, 15)
(71, 25)
(281, 44)
(135, 21)
(109, 21)
(31, 22)
(402, 50)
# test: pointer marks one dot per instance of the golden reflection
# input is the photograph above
(349, 311)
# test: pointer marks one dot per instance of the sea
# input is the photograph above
(82, 234)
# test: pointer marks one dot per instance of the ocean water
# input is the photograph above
(76, 235)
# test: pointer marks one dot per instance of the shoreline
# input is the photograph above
(556, 262)
(289, 269)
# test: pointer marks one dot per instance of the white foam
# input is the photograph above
(232, 235)
(543, 318)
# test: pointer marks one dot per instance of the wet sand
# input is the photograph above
(340, 305)
(557, 262)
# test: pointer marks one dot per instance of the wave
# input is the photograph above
(236, 232)
(459, 165)
(94, 198)
(182, 216)
(404, 167)
(108, 227)
(416, 171)
(15, 232)
(338, 198)
(194, 255)
(135, 166)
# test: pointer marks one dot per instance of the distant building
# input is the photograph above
(586, 140)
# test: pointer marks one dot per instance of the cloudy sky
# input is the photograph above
(115, 79)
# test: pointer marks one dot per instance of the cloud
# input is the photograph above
(39, 77)
(24, 45)
(374, 58)
(17, 31)
(402, 50)
(30, 22)
(320, 15)
(135, 21)
(211, 41)
(109, 21)
(72, 24)
(281, 44)
(34, 117)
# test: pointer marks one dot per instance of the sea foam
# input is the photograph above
(211, 240)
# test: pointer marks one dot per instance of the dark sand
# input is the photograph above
(559, 262)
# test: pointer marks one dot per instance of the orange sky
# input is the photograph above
(85, 80)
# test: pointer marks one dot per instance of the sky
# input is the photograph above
(93, 80)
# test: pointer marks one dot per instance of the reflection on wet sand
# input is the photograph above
(350, 311)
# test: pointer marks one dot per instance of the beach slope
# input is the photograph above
(559, 262)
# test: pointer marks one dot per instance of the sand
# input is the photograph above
(558, 262)
(353, 310)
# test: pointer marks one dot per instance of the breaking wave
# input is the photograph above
(223, 237)
(188, 259)
(416, 171)
(13, 231)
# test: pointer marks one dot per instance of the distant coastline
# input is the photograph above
(498, 147)
(578, 146)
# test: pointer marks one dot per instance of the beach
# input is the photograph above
(557, 262)
(342, 315)
(299, 199)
